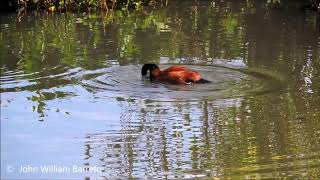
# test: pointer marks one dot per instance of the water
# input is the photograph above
(72, 96)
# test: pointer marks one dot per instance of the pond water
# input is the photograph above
(74, 105)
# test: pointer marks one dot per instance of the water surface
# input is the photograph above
(72, 94)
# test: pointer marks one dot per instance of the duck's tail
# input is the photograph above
(202, 81)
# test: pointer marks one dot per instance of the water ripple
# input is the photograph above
(126, 81)
(226, 83)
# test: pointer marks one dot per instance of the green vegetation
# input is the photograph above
(92, 5)
(76, 5)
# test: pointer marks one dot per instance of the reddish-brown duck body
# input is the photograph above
(174, 74)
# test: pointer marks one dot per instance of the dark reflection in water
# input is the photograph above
(79, 76)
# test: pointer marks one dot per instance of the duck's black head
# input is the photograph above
(149, 67)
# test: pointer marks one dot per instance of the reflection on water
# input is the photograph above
(71, 93)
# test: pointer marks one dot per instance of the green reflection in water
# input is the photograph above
(271, 134)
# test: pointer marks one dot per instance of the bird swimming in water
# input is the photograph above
(173, 74)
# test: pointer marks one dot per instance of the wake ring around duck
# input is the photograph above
(226, 82)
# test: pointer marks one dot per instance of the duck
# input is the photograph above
(175, 74)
